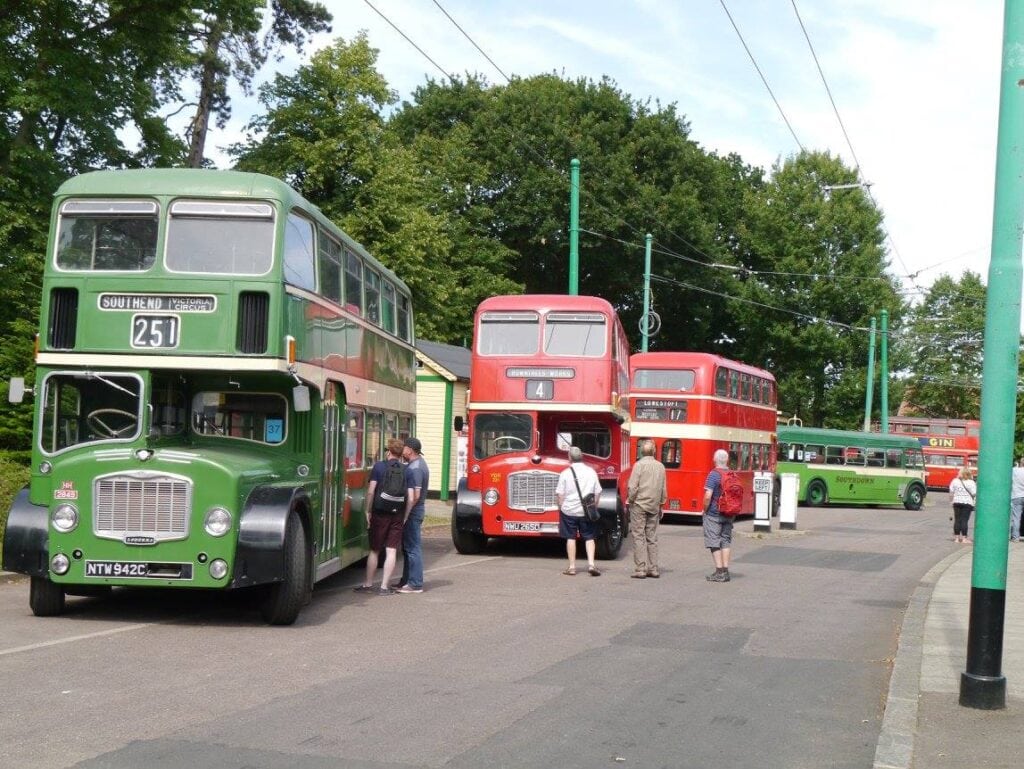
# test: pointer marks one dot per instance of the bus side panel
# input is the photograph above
(259, 557)
(27, 538)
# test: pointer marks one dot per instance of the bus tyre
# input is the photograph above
(284, 599)
(45, 598)
(914, 497)
(817, 493)
(610, 542)
(467, 542)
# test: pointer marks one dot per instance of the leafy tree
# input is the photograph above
(227, 44)
(944, 337)
(821, 259)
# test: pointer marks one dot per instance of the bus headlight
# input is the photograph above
(218, 568)
(217, 522)
(65, 518)
(60, 564)
(491, 496)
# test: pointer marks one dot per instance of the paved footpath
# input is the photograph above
(924, 725)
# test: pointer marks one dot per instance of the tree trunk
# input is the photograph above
(207, 84)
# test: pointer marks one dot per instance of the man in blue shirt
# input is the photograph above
(717, 527)
(417, 475)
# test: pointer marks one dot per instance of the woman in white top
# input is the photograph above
(963, 491)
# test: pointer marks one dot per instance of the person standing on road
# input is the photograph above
(571, 520)
(385, 514)
(645, 495)
(717, 527)
(417, 475)
(963, 492)
(1016, 499)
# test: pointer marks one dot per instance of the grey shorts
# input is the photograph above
(717, 531)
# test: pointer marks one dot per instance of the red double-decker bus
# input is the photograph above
(548, 372)
(691, 404)
(948, 445)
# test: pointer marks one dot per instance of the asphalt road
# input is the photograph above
(502, 662)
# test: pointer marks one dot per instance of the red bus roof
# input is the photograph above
(544, 302)
(691, 360)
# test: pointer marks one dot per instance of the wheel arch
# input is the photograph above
(259, 555)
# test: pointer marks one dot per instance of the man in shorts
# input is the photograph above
(717, 527)
(385, 528)
(571, 520)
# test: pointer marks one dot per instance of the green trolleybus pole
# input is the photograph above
(883, 382)
(871, 378)
(983, 685)
(574, 227)
(645, 325)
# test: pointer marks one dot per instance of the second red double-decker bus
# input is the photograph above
(948, 445)
(692, 404)
(547, 373)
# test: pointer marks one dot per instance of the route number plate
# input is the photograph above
(155, 331)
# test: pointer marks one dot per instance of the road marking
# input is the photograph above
(55, 642)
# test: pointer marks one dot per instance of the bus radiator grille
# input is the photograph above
(533, 490)
(153, 507)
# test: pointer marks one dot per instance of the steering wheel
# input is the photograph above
(101, 423)
(511, 443)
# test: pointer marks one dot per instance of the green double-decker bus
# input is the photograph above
(852, 468)
(218, 367)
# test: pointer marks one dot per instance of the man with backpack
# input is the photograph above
(385, 515)
(723, 496)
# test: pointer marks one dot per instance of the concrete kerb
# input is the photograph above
(895, 748)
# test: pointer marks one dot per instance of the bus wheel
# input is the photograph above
(467, 542)
(817, 494)
(45, 598)
(284, 599)
(914, 498)
(609, 543)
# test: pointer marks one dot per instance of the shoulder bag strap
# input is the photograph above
(577, 482)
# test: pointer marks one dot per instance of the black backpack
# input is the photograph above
(389, 496)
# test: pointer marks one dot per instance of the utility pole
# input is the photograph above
(645, 323)
(574, 227)
(883, 388)
(983, 685)
(871, 378)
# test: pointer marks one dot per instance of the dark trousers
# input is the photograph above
(961, 515)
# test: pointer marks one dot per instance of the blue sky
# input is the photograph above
(916, 83)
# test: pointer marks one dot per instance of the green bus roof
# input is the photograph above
(206, 182)
(795, 434)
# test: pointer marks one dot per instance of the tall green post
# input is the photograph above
(645, 323)
(574, 227)
(871, 378)
(982, 685)
(883, 384)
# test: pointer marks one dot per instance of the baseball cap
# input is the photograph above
(414, 444)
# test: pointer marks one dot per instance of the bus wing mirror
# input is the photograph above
(458, 423)
(16, 390)
(300, 398)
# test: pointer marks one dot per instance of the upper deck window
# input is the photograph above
(330, 268)
(354, 282)
(387, 307)
(404, 329)
(107, 235)
(508, 333)
(299, 260)
(371, 292)
(222, 237)
(674, 380)
(575, 333)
